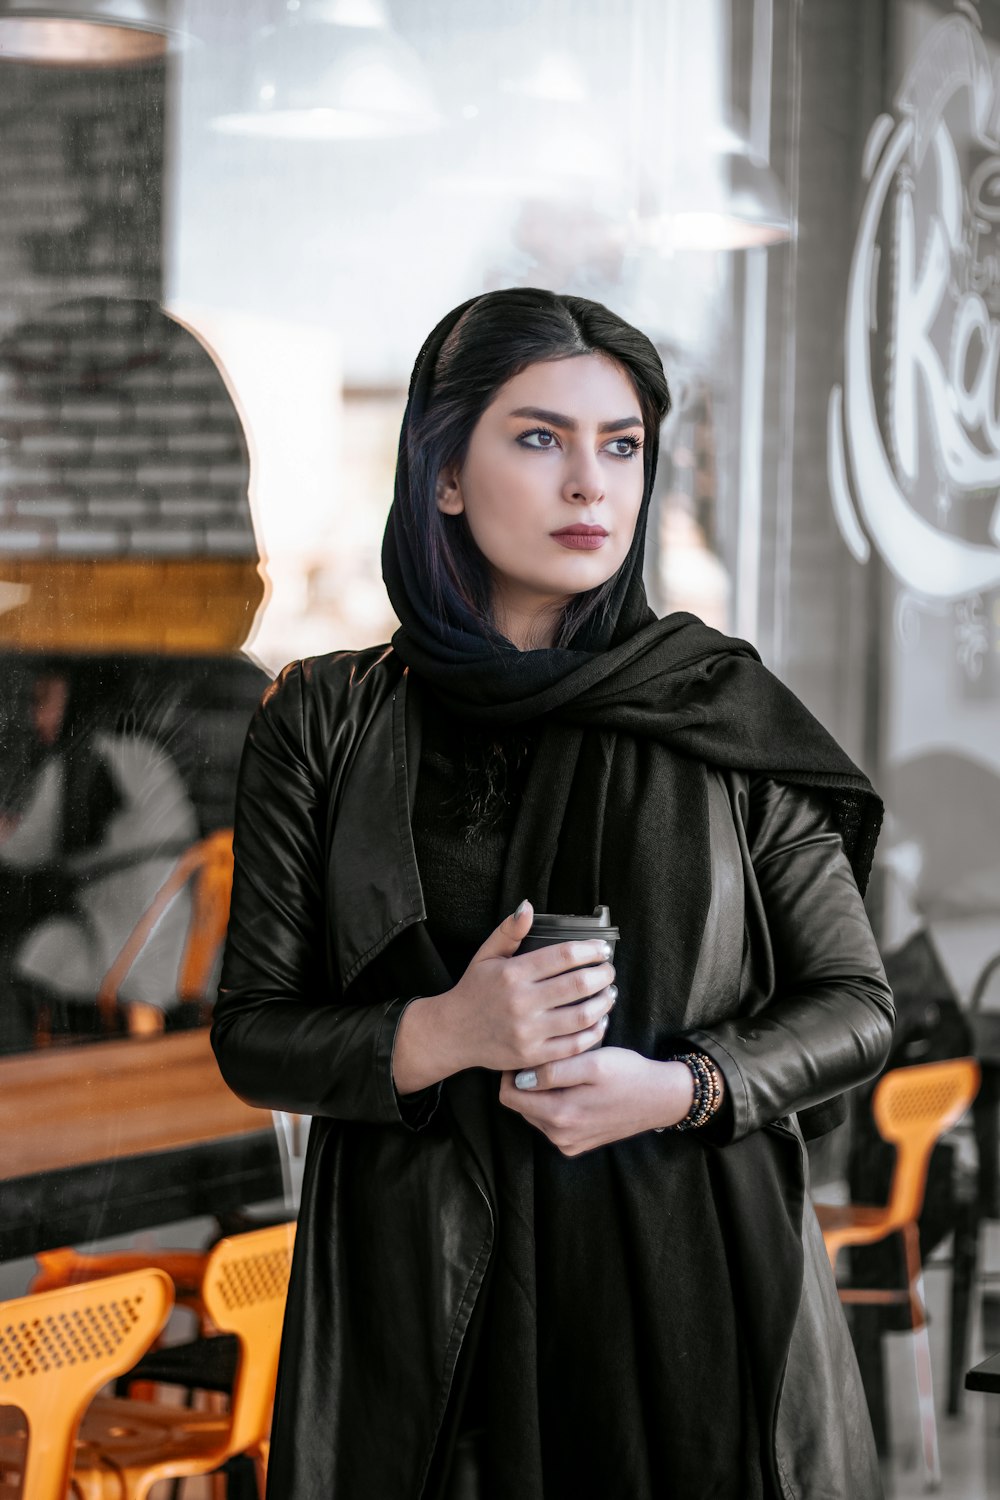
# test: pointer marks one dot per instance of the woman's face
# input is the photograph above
(559, 446)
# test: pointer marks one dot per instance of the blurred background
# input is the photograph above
(226, 227)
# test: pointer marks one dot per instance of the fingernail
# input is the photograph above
(527, 1079)
(606, 949)
(522, 908)
(613, 992)
(604, 1022)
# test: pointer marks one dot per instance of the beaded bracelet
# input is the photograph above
(707, 1091)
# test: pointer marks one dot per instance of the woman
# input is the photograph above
(514, 1274)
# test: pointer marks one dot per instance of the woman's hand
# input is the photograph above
(509, 1010)
(589, 1101)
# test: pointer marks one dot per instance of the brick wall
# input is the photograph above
(81, 171)
(119, 438)
(120, 448)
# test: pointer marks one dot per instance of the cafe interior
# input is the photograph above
(226, 228)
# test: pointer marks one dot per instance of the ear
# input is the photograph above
(448, 493)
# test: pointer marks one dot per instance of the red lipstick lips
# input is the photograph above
(581, 538)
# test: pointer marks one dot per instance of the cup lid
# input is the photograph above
(600, 918)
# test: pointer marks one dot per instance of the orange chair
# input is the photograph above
(69, 1267)
(913, 1107)
(208, 866)
(243, 1292)
(57, 1349)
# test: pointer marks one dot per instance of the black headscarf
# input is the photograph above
(674, 679)
(630, 718)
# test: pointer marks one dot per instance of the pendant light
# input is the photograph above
(332, 70)
(85, 33)
(734, 202)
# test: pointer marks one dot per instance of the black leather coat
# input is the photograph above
(327, 945)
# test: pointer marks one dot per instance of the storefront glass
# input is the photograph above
(217, 266)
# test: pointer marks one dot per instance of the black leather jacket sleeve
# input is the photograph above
(829, 1023)
(281, 1037)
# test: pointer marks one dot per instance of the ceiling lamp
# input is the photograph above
(351, 12)
(85, 33)
(735, 203)
(531, 147)
(557, 76)
(332, 70)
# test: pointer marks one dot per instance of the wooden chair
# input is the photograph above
(208, 867)
(57, 1349)
(243, 1293)
(913, 1107)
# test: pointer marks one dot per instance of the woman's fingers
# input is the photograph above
(576, 984)
(556, 958)
(564, 1020)
(572, 1044)
(563, 1073)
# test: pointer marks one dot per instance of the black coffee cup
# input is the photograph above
(562, 927)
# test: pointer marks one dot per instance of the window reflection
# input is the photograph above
(136, 580)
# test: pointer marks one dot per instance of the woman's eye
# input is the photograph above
(540, 432)
(631, 445)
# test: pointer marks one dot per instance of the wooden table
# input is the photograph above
(109, 1137)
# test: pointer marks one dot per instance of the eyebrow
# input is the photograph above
(569, 423)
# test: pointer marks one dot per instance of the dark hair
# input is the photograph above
(494, 340)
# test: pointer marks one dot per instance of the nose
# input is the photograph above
(585, 484)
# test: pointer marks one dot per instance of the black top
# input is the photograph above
(467, 787)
